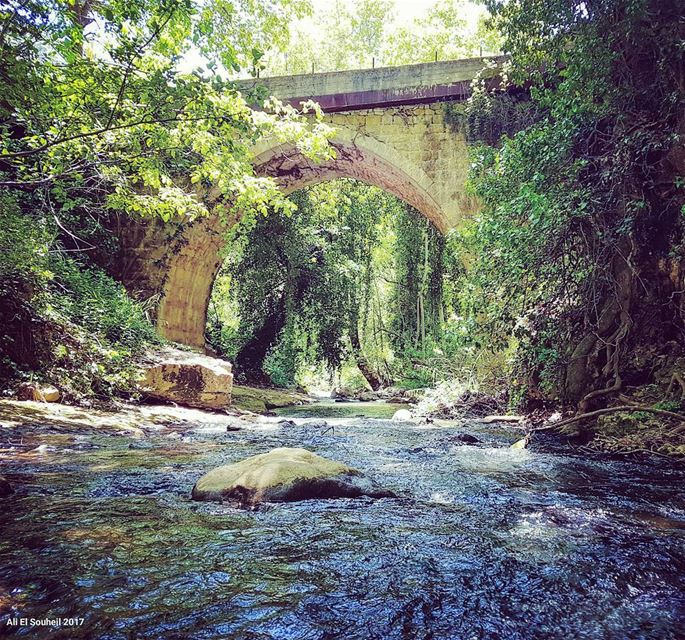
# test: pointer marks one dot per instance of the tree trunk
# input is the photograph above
(250, 359)
(363, 365)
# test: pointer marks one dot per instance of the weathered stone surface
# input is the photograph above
(425, 164)
(260, 400)
(38, 392)
(188, 378)
(284, 475)
(378, 87)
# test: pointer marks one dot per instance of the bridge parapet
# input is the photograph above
(382, 87)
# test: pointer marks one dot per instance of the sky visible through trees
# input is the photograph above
(357, 34)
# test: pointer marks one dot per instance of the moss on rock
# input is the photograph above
(259, 400)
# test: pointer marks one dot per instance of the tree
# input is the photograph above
(443, 32)
(580, 242)
(342, 39)
(368, 32)
(329, 284)
(96, 121)
(418, 291)
(292, 282)
(94, 110)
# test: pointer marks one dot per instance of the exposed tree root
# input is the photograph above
(599, 412)
(676, 378)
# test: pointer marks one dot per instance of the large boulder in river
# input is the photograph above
(188, 378)
(284, 475)
(402, 415)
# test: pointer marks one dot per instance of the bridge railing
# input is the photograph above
(380, 86)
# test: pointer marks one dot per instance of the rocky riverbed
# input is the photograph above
(480, 541)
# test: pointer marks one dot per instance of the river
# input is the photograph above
(482, 542)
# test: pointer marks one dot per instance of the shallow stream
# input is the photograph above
(483, 542)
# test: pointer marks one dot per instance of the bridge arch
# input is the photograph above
(192, 266)
(392, 131)
(360, 157)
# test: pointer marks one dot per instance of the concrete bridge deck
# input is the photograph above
(381, 87)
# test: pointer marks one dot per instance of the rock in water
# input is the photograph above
(188, 378)
(368, 396)
(284, 475)
(520, 444)
(466, 438)
(403, 415)
(6, 488)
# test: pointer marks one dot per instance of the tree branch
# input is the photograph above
(97, 132)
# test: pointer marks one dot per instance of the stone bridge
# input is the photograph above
(392, 131)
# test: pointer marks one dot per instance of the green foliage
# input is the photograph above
(574, 229)
(223, 317)
(285, 359)
(95, 110)
(487, 116)
(418, 256)
(75, 327)
(63, 321)
(441, 32)
(344, 38)
(353, 275)
(237, 33)
(674, 406)
(296, 278)
(24, 244)
(96, 302)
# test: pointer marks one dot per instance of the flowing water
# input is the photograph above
(483, 542)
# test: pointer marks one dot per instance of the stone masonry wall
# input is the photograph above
(410, 151)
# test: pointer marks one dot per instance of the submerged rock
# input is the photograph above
(284, 475)
(6, 488)
(466, 438)
(188, 378)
